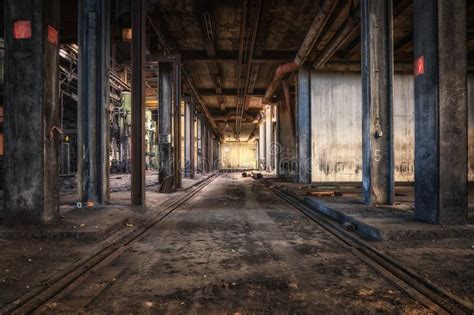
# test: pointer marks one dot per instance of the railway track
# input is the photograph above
(80, 272)
(419, 288)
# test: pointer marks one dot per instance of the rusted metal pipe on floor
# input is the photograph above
(325, 9)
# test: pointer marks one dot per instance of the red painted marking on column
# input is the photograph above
(22, 29)
(419, 66)
(52, 35)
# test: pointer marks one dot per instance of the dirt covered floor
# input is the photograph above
(237, 248)
(234, 248)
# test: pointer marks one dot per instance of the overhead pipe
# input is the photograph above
(325, 10)
(349, 28)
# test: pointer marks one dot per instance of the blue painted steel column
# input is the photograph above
(440, 111)
(304, 125)
(93, 112)
(377, 101)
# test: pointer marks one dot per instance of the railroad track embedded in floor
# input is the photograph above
(416, 286)
(87, 267)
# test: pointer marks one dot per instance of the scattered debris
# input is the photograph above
(321, 193)
(365, 292)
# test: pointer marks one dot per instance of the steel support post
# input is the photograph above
(377, 101)
(269, 138)
(176, 89)
(187, 139)
(210, 149)
(278, 154)
(192, 144)
(199, 145)
(138, 102)
(32, 121)
(276, 145)
(440, 111)
(304, 125)
(93, 105)
(165, 154)
(261, 145)
(204, 138)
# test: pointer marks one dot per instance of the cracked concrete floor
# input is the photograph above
(235, 248)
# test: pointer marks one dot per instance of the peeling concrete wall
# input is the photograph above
(337, 127)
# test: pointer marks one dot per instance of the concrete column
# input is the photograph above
(32, 121)
(440, 111)
(192, 144)
(286, 135)
(138, 102)
(304, 125)
(93, 105)
(187, 139)
(276, 145)
(261, 145)
(209, 149)
(165, 154)
(268, 138)
(176, 155)
(199, 145)
(204, 140)
(65, 158)
(377, 101)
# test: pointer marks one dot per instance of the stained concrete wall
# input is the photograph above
(337, 127)
(336, 121)
(238, 155)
